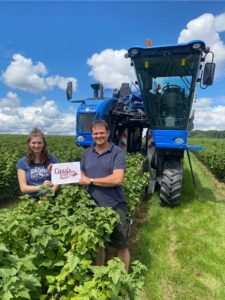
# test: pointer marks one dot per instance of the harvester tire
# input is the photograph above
(171, 183)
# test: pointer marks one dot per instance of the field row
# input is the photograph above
(47, 249)
(212, 155)
(63, 147)
(12, 147)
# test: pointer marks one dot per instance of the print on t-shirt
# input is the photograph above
(38, 173)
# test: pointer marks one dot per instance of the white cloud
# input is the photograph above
(111, 68)
(220, 23)
(60, 81)
(203, 102)
(65, 125)
(209, 113)
(49, 108)
(31, 77)
(208, 27)
(209, 117)
(44, 114)
(10, 101)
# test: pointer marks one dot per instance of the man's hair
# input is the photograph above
(102, 123)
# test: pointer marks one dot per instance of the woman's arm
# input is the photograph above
(24, 187)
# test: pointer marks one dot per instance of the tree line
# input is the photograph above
(212, 134)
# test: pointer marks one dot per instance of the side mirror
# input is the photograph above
(69, 90)
(208, 74)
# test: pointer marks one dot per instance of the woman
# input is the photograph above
(33, 169)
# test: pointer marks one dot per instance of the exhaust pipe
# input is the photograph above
(96, 87)
(101, 91)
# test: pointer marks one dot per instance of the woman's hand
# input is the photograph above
(52, 185)
(49, 168)
(48, 183)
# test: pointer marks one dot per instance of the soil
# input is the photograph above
(140, 218)
(5, 203)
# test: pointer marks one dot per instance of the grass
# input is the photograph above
(184, 247)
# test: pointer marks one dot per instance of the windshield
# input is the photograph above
(167, 85)
(84, 122)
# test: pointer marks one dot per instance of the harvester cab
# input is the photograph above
(167, 78)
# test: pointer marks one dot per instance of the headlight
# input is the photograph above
(133, 52)
(196, 46)
(80, 138)
(179, 141)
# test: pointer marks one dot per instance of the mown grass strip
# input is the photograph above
(184, 248)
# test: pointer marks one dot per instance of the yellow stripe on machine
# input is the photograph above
(183, 62)
(146, 65)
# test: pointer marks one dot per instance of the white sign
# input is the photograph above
(63, 173)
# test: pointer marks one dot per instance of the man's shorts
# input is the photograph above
(120, 234)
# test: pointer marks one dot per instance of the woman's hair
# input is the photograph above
(44, 157)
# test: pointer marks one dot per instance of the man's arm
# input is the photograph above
(114, 179)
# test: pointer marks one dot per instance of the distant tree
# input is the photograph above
(212, 134)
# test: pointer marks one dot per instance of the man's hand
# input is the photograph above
(84, 180)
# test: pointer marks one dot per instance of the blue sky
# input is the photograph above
(45, 44)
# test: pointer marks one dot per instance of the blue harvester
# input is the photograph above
(161, 107)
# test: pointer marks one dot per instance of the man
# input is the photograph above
(102, 170)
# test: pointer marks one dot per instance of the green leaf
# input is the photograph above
(50, 279)
(24, 294)
(3, 248)
(30, 281)
(73, 262)
(115, 275)
(8, 272)
(60, 263)
(28, 264)
(7, 296)
(44, 241)
(47, 263)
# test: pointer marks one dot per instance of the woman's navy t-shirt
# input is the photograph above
(36, 174)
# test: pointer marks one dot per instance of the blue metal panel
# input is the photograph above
(101, 108)
(105, 105)
(172, 139)
(194, 147)
(181, 48)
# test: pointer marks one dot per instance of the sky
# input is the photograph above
(45, 44)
